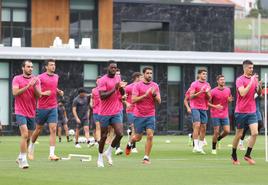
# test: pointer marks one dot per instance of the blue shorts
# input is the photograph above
(62, 122)
(199, 116)
(84, 122)
(130, 118)
(105, 121)
(143, 123)
(23, 120)
(220, 122)
(47, 116)
(243, 119)
(96, 117)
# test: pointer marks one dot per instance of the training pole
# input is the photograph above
(265, 117)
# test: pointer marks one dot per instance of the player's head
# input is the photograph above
(136, 77)
(50, 65)
(220, 80)
(82, 92)
(147, 73)
(248, 67)
(202, 74)
(27, 67)
(112, 67)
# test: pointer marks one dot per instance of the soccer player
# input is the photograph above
(62, 121)
(95, 104)
(145, 95)
(199, 97)
(111, 90)
(25, 89)
(81, 114)
(220, 98)
(258, 97)
(47, 109)
(245, 110)
(136, 77)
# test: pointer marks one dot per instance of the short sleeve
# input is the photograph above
(75, 103)
(102, 85)
(135, 90)
(15, 82)
(239, 83)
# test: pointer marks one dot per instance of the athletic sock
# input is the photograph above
(51, 150)
(100, 157)
(67, 138)
(31, 146)
(214, 145)
(220, 137)
(76, 143)
(134, 145)
(196, 143)
(23, 156)
(201, 144)
(59, 139)
(234, 155)
(248, 152)
(109, 149)
(241, 142)
(129, 145)
(146, 157)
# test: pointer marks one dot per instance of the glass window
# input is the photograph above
(82, 4)
(14, 3)
(199, 67)
(90, 75)
(5, 14)
(145, 35)
(35, 69)
(228, 73)
(4, 70)
(174, 73)
(19, 15)
(4, 102)
(263, 71)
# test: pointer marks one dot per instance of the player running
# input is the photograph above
(62, 121)
(220, 98)
(145, 95)
(47, 109)
(25, 89)
(199, 97)
(245, 110)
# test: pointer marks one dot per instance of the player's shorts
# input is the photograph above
(105, 121)
(130, 118)
(244, 119)
(220, 122)
(96, 118)
(141, 124)
(46, 116)
(62, 122)
(199, 116)
(84, 122)
(259, 116)
(23, 120)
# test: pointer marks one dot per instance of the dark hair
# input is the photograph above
(82, 90)
(146, 68)
(111, 62)
(201, 70)
(24, 62)
(135, 75)
(247, 62)
(219, 76)
(49, 60)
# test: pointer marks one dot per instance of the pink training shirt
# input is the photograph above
(247, 103)
(201, 101)
(113, 104)
(25, 103)
(129, 89)
(146, 106)
(220, 96)
(96, 100)
(187, 94)
(48, 82)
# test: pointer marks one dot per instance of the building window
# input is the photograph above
(174, 94)
(4, 93)
(14, 22)
(263, 71)
(229, 76)
(90, 75)
(145, 35)
(83, 21)
(36, 68)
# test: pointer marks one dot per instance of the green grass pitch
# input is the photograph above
(172, 163)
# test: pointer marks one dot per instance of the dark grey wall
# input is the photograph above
(193, 27)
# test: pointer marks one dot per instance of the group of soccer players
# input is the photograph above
(247, 116)
(36, 104)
